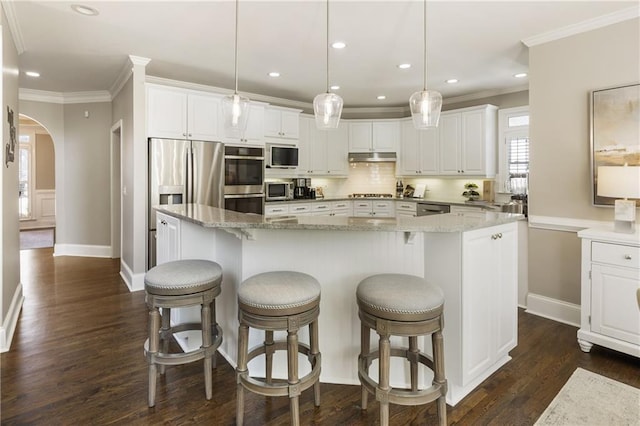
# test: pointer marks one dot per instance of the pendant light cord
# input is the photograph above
(328, 46)
(236, 50)
(425, 44)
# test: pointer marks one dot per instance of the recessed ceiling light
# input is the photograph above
(274, 74)
(404, 66)
(336, 87)
(452, 80)
(32, 74)
(520, 75)
(85, 10)
(381, 97)
(339, 45)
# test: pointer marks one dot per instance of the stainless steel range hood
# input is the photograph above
(372, 157)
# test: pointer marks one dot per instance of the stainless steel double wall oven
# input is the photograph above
(244, 179)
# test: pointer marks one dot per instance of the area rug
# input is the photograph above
(591, 399)
(36, 238)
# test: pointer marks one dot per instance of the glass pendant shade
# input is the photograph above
(235, 109)
(327, 108)
(425, 108)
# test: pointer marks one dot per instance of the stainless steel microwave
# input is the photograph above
(282, 156)
(278, 191)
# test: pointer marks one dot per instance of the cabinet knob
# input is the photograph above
(163, 222)
(627, 256)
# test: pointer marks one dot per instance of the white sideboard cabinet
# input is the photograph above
(610, 308)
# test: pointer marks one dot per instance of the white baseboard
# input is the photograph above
(135, 282)
(81, 250)
(557, 310)
(10, 322)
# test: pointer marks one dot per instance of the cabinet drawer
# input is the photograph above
(340, 205)
(299, 208)
(362, 205)
(278, 210)
(615, 254)
(406, 206)
(320, 207)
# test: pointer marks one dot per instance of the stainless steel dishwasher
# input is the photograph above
(426, 209)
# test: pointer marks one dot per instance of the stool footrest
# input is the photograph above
(178, 358)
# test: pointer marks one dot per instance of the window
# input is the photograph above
(25, 164)
(514, 150)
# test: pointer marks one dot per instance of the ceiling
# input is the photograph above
(477, 42)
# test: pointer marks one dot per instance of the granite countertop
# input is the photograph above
(452, 202)
(212, 217)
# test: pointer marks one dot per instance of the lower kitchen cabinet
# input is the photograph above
(479, 276)
(406, 208)
(377, 208)
(610, 304)
(168, 238)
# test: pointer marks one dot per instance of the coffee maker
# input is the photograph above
(302, 188)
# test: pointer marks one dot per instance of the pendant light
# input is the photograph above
(327, 107)
(235, 107)
(426, 104)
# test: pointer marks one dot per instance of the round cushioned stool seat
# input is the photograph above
(279, 293)
(400, 297)
(182, 277)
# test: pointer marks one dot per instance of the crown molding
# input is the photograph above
(485, 94)
(14, 26)
(584, 26)
(64, 98)
(123, 76)
(139, 60)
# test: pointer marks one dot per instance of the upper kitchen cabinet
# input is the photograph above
(468, 141)
(376, 136)
(418, 151)
(181, 114)
(282, 123)
(322, 152)
(254, 133)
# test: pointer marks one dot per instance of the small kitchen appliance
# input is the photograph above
(278, 191)
(301, 189)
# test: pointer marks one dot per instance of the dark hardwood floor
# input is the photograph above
(77, 358)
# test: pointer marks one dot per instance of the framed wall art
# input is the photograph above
(615, 132)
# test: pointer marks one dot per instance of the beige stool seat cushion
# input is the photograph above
(182, 277)
(279, 293)
(400, 297)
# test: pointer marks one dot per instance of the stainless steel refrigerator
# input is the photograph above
(182, 172)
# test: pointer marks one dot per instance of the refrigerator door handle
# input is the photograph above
(188, 188)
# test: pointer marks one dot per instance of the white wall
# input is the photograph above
(11, 290)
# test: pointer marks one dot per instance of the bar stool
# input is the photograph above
(279, 301)
(401, 305)
(180, 284)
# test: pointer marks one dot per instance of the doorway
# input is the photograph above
(116, 190)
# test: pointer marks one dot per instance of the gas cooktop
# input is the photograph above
(371, 195)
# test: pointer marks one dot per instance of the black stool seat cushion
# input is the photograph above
(279, 290)
(182, 277)
(400, 297)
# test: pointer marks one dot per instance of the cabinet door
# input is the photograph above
(202, 118)
(289, 122)
(168, 238)
(614, 309)
(337, 150)
(167, 113)
(506, 293)
(362, 208)
(449, 134)
(473, 150)
(304, 146)
(318, 149)
(428, 151)
(360, 136)
(386, 136)
(409, 153)
(255, 125)
(272, 122)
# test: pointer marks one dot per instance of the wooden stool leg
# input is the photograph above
(214, 326)
(439, 377)
(243, 349)
(315, 350)
(365, 348)
(154, 337)
(268, 355)
(206, 343)
(166, 325)
(413, 349)
(383, 376)
(292, 367)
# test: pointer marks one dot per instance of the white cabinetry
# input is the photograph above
(378, 208)
(406, 208)
(281, 123)
(479, 276)
(168, 238)
(377, 136)
(341, 208)
(181, 114)
(610, 307)
(464, 209)
(253, 134)
(467, 141)
(322, 152)
(315, 208)
(279, 209)
(418, 151)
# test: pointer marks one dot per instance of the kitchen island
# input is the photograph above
(471, 256)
